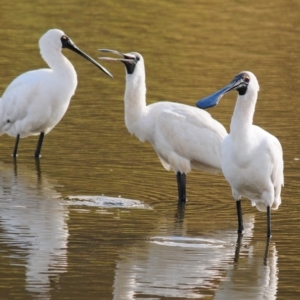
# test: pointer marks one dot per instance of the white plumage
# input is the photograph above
(183, 137)
(37, 100)
(252, 158)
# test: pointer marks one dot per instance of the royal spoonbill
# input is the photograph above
(183, 136)
(252, 158)
(37, 100)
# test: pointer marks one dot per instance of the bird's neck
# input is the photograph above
(135, 100)
(58, 63)
(242, 118)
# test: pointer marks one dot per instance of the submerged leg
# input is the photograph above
(39, 145)
(181, 183)
(269, 222)
(240, 216)
(16, 146)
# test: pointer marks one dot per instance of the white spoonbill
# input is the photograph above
(252, 158)
(37, 100)
(183, 136)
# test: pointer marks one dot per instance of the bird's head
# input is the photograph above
(245, 82)
(55, 40)
(131, 60)
(52, 39)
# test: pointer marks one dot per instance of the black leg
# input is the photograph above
(16, 146)
(240, 216)
(269, 222)
(181, 183)
(39, 146)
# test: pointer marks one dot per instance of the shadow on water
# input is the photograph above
(34, 229)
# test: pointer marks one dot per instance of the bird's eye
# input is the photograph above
(137, 58)
(247, 78)
(63, 37)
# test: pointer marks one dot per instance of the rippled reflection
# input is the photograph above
(254, 277)
(33, 227)
(191, 267)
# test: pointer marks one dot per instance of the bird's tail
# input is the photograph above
(276, 202)
(261, 206)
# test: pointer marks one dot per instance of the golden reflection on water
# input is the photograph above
(190, 49)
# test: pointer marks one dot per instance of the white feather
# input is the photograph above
(37, 100)
(252, 158)
(183, 136)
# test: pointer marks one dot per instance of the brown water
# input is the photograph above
(97, 218)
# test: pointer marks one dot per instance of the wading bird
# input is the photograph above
(183, 136)
(36, 101)
(252, 158)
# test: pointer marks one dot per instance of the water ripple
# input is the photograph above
(107, 202)
(188, 242)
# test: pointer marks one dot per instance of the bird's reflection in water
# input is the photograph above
(33, 224)
(184, 266)
(238, 248)
(37, 167)
(253, 276)
(179, 217)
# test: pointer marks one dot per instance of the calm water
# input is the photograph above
(97, 218)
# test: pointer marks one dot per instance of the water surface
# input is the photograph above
(97, 217)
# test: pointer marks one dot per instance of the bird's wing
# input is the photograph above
(275, 153)
(17, 97)
(191, 133)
